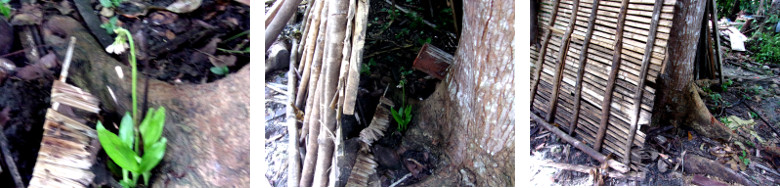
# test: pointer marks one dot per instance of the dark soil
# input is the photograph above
(170, 47)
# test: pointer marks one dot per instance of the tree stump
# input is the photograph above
(206, 126)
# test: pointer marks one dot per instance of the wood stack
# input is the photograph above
(328, 59)
(613, 56)
(68, 147)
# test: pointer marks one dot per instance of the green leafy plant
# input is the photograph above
(753, 115)
(125, 149)
(403, 32)
(724, 120)
(110, 3)
(110, 25)
(221, 70)
(726, 84)
(756, 89)
(424, 41)
(5, 8)
(765, 48)
(365, 68)
(716, 97)
(403, 115)
(744, 158)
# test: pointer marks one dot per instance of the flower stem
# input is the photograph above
(134, 74)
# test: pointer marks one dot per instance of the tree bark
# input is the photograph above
(678, 103)
(470, 114)
(206, 124)
(734, 10)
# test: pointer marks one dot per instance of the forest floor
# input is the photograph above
(748, 102)
(393, 40)
(176, 48)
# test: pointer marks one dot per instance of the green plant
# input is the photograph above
(724, 120)
(221, 70)
(417, 20)
(404, 114)
(765, 48)
(756, 89)
(753, 115)
(125, 149)
(744, 158)
(716, 97)
(110, 3)
(403, 32)
(726, 84)
(120, 148)
(5, 8)
(424, 41)
(365, 68)
(746, 97)
(749, 6)
(110, 25)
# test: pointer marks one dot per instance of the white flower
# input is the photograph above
(117, 47)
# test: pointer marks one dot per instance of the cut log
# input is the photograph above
(700, 165)
(206, 126)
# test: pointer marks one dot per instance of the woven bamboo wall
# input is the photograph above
(598, 62)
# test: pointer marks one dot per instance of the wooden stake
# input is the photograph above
(642, 77)
(294, 160)
(540, 60)
(606, 104)
(314, 36)
(356, 59)
(582, 62)
(716, 32)
(561, 63)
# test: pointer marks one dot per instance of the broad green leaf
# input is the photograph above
(126, 130)
(152, 131)
(116, 149)
(222, 70)
(146, 177)
(395, 115)
(106, 3)
(153, 155)
(5, 9)
(144, 126)
(408, 110)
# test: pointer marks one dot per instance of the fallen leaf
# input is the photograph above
(184, 6)
(32, 72)
(169, 34)
(163, 17)
(223, 60)
(29, 14)
(48, 61)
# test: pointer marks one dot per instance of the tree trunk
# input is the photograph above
(470, 116)
(734, 11)
(678, 103)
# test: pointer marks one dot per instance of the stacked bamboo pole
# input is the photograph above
(330, 53)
